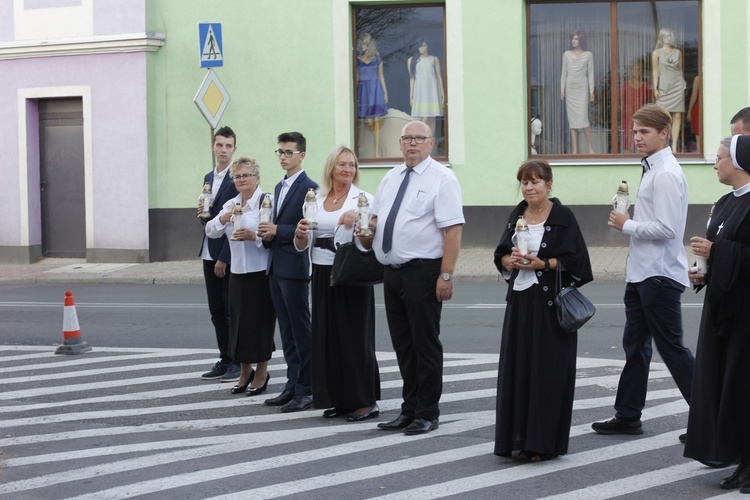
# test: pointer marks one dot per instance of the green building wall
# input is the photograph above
(288, 66)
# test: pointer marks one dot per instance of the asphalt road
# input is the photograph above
(132, 417)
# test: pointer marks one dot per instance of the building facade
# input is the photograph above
(105, 150)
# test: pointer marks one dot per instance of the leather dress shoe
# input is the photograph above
(401, 422)
(336, 412)
(299, 403)
(739, 478)
(618, 426)
(421, 426)
(715, 464)
(354, 417)
(282, 399)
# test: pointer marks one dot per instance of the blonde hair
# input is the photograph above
(326, 184)
(245, 161)
(654, 116)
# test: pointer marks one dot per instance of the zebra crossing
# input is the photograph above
(122, 423)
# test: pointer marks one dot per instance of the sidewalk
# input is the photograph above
(474, 264)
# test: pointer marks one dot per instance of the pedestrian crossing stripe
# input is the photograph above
(127, 422)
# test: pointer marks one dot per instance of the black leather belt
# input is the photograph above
(326, 243)
(413, 263)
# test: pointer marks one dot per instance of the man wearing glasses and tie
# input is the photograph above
(289, 274)
(417, 219)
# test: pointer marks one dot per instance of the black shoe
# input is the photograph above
(239, 389)
(401, 422)
(300, 403)
(282, 399)
(715, 464)
(745, 488)
(618, 426)
(421, 426)
(353, 417)
(739, 478)
(683, 438)
(257, 391)
(232, 374)
(217, 371)
(336, 412)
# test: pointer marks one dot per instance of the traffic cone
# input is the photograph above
(72, 341)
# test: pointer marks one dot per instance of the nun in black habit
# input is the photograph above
(536, 376)
(719, 420)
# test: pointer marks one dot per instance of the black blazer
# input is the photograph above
(562, 240)
(219, 247)
(284, 259)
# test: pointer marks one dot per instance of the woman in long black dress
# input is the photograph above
(251, 314)
(345, 376)
(719, 420)
(536, 377)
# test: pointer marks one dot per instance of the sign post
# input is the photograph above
(212, 98)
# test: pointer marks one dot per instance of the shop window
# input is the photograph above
(399, 76)
(593, 64)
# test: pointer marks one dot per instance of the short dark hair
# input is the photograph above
(743, 116)
(295, 137)
(225, 132)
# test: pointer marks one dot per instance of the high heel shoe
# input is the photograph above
(239, 389)
(255, 391)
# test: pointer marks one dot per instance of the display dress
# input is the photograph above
(577, 80)
(719, 406)
(631, 100)
(344, 367)
(426, 99)
(370, 95)
(537, 370)
(671, 82)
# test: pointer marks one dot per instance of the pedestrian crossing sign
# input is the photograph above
(210, 45)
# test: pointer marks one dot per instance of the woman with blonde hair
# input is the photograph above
(345, 377)
(252, 319)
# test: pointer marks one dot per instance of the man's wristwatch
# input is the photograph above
(447, 277)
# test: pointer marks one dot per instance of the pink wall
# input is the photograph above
(119, 142)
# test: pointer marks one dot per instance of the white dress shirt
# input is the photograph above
(286, 183)
(658, 224)
(247, 256)
(432, 202)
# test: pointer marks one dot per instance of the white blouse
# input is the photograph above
(247, 256)
(526, 278)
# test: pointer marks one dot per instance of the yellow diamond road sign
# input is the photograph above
(212, 98)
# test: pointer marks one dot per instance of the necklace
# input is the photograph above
(337, 198)
(536, 218)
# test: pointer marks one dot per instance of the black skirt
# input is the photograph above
(344, 368)
(252, 319)
(536, 378)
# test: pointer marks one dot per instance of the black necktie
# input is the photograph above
(391, 220)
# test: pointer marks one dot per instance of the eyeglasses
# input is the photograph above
(287, 153)
(243, 176)
(419, 139)
(719, 158)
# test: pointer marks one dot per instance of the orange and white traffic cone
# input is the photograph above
(72, 341)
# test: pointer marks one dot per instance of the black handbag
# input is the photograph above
(573, 308)
(353, 267)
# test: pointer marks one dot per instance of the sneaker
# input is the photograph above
(217, 371)
(232, 373)
(618, 426)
